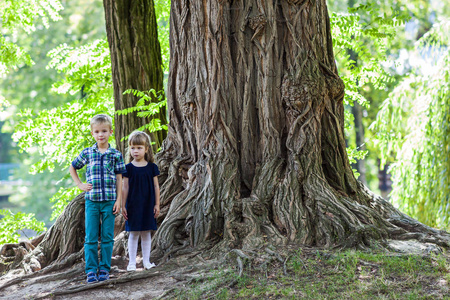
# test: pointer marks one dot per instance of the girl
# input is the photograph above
(140, 201)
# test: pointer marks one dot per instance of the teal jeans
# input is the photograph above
(94, 212)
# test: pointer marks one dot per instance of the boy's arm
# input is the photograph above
(124, 197)
(157, 196)
(82, 186)
(118, 204)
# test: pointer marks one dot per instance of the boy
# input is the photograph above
(103, 196)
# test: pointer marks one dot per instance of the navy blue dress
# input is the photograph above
(141, 197)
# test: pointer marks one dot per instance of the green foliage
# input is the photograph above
(149, 104)
(61, 199)
(62, 132)
(28, 88)
(354, 154)
(82, 23)
(414, 126)
(162, 10)
(22, 13)
(15, 14)
(368, 35)
(87, 70)
(3, 103)
(11, 56)
(11, 224)
(361, 38)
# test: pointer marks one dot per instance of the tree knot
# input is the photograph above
(257, 23)
(296, 94)
(187, 106)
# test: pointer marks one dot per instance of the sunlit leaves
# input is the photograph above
(162, 11)
(361, 38)
(366, 34)
(12, 224)
(149, 105)
(11, 55)
(86, 68)
(22, 15)
(62, 132)
(61, 199)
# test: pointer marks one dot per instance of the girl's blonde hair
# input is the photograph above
(142, 139)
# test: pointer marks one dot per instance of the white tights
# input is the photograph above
(146, 245)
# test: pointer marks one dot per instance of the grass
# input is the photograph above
(314, 274)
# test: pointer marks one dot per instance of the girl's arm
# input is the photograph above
(124, 197)
(118, 204)
(82, 186)
(156, 184)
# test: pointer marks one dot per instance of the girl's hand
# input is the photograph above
(85, 186)
(124, 213)
(116, 208)
(156, 211)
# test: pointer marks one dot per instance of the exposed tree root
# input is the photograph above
(185, 269)
(40, 275)
(41, 278)
(111, 282)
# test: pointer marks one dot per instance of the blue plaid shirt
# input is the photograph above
(101, 172)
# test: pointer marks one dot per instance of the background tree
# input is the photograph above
(256, 149)
(136, 62)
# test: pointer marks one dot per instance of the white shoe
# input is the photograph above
(131, 268)
(149, 266)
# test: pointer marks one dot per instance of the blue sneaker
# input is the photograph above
(91, 277)
(103, 275)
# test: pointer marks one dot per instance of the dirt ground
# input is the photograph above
(196, 276)
(71, 283)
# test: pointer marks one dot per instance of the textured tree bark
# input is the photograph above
(255, 151)
(136, 61)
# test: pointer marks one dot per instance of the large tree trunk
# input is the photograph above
(255, 150)
(136, 61)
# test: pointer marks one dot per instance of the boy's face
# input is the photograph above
(101, 133)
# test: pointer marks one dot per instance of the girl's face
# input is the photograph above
(138, 152)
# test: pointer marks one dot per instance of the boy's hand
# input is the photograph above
(124, 213)
(156, 211)
(85, 186)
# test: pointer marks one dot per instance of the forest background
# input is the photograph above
(55, 73)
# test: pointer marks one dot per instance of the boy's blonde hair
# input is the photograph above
(101, 119)
(142, 139)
